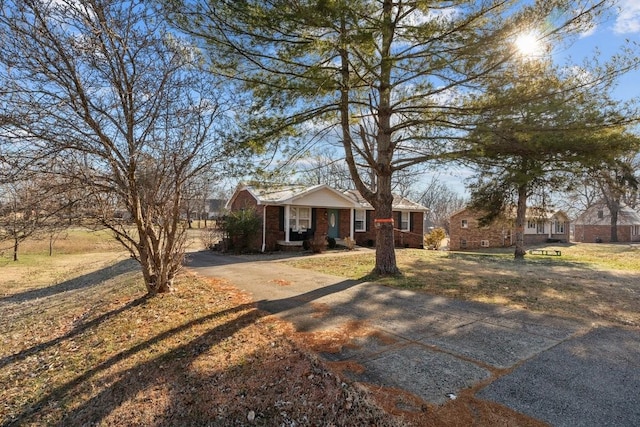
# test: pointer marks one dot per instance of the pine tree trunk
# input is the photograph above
(385, 243)
(614, 208)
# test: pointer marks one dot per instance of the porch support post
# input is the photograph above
(352, 223)
(287, 215)
(264, 228)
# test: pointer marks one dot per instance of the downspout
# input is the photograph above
(264, 228)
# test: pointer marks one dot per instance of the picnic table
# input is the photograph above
(550, 252)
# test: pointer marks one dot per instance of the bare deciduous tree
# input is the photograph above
(104, 85)
(441, 200)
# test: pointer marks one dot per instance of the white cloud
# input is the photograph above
(588, 32)
(628, 20)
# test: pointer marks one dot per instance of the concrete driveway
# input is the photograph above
(560, 371)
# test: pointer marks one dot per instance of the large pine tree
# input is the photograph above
(394, 79)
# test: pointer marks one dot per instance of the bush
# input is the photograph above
(318, 244)
(242, 227)
(210, 237)
(349, 243)
(434, 239)
(331, 242)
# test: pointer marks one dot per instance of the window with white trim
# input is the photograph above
(636, 230)
(405, 221)
(540, 227)
(464, 223)
(559, 227)
(360, 220)
(531, 224)
(299, 218)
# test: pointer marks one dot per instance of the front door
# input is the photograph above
(334, 230)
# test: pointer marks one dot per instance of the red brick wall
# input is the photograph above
(344, 223)
(474, 234)
(274, 233)
(244, 200)
(411, 239)
(322, 223)
(589, 233)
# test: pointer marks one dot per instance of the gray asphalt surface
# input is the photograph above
(560, 371)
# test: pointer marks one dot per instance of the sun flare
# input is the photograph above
(529, 45)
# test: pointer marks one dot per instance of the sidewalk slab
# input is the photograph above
(589, 381)
(548, 326)
(432, 346)
(491, 344)
(431, 375)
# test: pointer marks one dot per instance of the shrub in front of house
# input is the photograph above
(434, 239)
(349, 243)
(242, 228)
(318, 244)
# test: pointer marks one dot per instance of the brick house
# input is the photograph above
(541, 226)
(594, 225)
(291, 214)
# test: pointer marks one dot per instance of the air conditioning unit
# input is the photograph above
(484, 243)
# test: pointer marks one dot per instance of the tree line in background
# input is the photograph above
(128, 111)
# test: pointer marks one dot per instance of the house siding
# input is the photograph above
(602, 233)
(497, 234)
(244, 200)
(410, 239)
(500, 233)
(274, 226)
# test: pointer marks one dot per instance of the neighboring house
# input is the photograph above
(293, 213)
(214, 208)
(594, 225)
(541, 226)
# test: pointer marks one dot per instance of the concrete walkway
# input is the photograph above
(560, 371)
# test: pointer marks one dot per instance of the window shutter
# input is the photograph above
(367, 218)
(313, 219)
(411, 221)
(281, 218)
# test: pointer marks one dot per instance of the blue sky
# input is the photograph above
(618, 26)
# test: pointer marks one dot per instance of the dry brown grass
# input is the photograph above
(81, 345)
(589, 281)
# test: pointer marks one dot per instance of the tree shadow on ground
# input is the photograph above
(134, 381)
(543, 284)
(137, 378)
(77, 330)
(85, 281)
